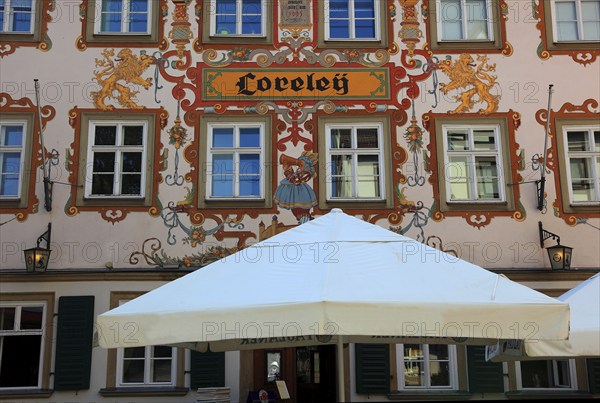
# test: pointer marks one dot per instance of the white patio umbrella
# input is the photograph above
(584, 334)
(335, 276)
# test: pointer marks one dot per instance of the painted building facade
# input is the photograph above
(177, 132)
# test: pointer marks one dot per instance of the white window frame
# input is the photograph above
(572, 375)
(118, 149)
(489, 4)
(148, 360)
(578, 15)
(471, 154)
(355, 152)
(352, 19)
(26, 332)
(8, 18)
(452, 364)
(592, 154)
(22, 148)
(236, 150)
(238, 21)
(124, 21)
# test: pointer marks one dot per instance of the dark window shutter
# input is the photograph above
(207, 370)
(593, 365)
(372, 368)
(74, 338)
(484, 376)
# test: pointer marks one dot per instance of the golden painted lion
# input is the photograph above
(463, 75)
(129, 69)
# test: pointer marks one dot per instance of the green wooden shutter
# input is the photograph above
(74, 337)
(372, 368)
(484, 376)
(593, 365)
(207, 370)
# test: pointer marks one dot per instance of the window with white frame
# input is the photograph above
(150, 365)
(21, 344)
(17, 16)
(426, 366)
(473, 164)
(123, 17)
(583, 168)
(546, 374)
(355, 161)
(12, 146)
(116, 159)
(465, 20)
(576, 20)
(235, 161)
(352, 20)
(238, 17)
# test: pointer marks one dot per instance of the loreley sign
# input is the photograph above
(252, 84)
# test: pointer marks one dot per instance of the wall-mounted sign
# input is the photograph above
(295, 14)
(295, 83)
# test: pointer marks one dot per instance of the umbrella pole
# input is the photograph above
(340, 369)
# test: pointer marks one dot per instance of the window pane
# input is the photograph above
(251, 6)
(133, 135)
(9, 185)
(341, 138)
(590, 10)
(222, 185)
(133, 371)
(458, 140)
(249, 164)
(250, 185)
(413, 365)
(450, 11)
(577, 140)
(487, 178)
(477, 30)
(565, 11)
(365, 29)
(484, 140)
(451, 30)
(226, 6)
(24, 350)
(226, 25)
(250, 137)
(341, 186)
(138, 22)
(11, 163)
(580, 168)
(563, 376)
(112, 5)
(31, 317)
(341, 165)
(102, 184)
(438, 352)
(131, 184)
(132, 162)
(567, 31)
(138, 6)
(2, 17)
(440, 373)
(597, 141)
(457, 168)
(223, 137)
(111, 22)
(476, 13)
(368, 176)
(161, 371)
(21, 22)
(162, 351)
(7, 318)
(535, 374)
(104, 162)
(105, 135)
(134, 352)
(367, 138)
(364, 8)
(12, 135)
(222, 164)
(339, 9)
(591, 30)
(251, 25)
(339, 29)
